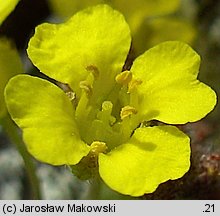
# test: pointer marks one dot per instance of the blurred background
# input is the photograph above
(196, 22)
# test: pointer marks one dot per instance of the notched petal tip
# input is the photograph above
(170, 87)
(152, 156)
(85, 39)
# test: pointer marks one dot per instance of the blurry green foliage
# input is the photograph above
(10, 65)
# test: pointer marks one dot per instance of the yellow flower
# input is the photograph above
(97, 123)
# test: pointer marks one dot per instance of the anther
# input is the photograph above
(133, 85)
(124, 77)
(107, 105)
(86, 87)
(98, 147)
(127, 111)
(94, 70)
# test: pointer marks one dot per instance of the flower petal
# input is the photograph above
(6, 7)
(170, 28)
(10, 65)
(156, 30)
(136, 12)
(170, 91)
(152, 156)
(69, 7)
(97, 37)
(46, 116)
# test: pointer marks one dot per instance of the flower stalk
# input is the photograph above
(30, 168)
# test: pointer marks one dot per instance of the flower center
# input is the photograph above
(110, 118)
(104, 121)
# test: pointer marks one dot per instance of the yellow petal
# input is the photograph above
(137, 11)
(69, 7)
(152, 156)
(170, 91)
(159, 29)
(134, 11)
(97, 37)
(46, 116)
(6, 7)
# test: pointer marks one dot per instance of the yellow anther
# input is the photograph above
(124, 77)
(98, 147)
(94, 70)
(71, 95)
(127, 111)
(86, 87)
(107, 105)
(133, 85)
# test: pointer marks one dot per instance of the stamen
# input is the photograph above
(105, 114)
(86, 87)
(124, 77)
(127, 111)
(133, 85)
(94, 70)
(107, 105)
(98, 147)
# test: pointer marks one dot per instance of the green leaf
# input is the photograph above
(152, 156)
(6, 7)
(170, 91)
(46, 116)
(10, 65)
(97, 37)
